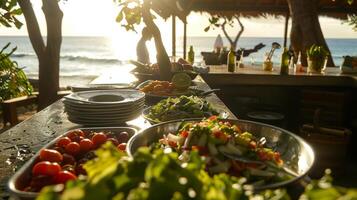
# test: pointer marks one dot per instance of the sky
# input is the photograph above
(97, 18)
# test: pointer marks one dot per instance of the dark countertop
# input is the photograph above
(44, 126)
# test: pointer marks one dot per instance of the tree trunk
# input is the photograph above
(234, 43)
(48, 56)
(306, 29)
(49, 71)
(162, 57)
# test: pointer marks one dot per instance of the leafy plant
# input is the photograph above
(220, 21)
(352, 21)
(8, 13)
(13, 80)
(154, 174)
(317, 52)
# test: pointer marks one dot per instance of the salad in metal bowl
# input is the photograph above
(179, 108)
(227, 149)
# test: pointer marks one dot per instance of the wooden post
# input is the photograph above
(286, 29)
(173, 35)
(184, 39)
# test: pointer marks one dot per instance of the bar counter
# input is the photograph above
(29, 136)
(255, 75)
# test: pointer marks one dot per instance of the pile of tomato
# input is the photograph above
(64, 161)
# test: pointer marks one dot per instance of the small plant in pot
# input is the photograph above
(316, 58)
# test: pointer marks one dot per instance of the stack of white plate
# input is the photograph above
(104, 107)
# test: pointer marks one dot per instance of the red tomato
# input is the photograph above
(184, 134)
(62, 142)
(122, 146)
(75, 135)
(46, 168)
(99, 138)
(38, 182)
(86, 145)
(123, 137)
(113, 141)
(63, 177)
(59, 149)
(73, 148)
(51, 155)
(68, 159)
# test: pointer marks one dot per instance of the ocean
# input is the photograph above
(83, 58)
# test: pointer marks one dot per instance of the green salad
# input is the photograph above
(180, 108)
(154, 174)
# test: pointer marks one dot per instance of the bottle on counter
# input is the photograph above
(191, 55)
(285, 59)
(298, 66)
(241, 62)
(231, 60)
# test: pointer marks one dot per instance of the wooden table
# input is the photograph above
(29, 136)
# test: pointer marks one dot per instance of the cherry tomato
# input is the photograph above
(75, 135)
(99, 138)
(80, 170)
(73, 148)
(62, 142)
(46, 168)
(63, 177)
(69, 168)
(68, 159)
(59, 149)
(113, 141)
(86, 145)
(122, 146)
(38, 182)
(51, 155)
(123, 137)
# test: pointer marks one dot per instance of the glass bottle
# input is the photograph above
(191, 55)
(284, 65)
(231, 60)
(298, 67)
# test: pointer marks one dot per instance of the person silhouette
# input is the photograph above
(142, 52)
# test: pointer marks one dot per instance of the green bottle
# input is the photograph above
(191, 55)
(285, 59)
(231, 60)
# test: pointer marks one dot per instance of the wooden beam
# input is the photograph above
(267, 8)
(286, 29)
(173, 36)
(184, 39)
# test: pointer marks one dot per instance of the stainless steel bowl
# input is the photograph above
(298, 156)
(22, 177)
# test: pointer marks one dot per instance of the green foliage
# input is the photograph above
(352, 21)
(153, 174)
(13, 81)
(130, 14)
(323, 189)
(8, 13)
(216, 21)
(317, 52)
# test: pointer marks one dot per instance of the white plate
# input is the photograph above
(107, 97)
(99, 107)
(101, 122)
(103, 114)
(104, 109)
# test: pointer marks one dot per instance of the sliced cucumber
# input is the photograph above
(258, 172)
(212, 149)
(221, 167)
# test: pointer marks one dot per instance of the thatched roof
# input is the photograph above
(255, 8)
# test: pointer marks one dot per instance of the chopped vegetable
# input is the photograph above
(180, 108)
